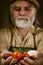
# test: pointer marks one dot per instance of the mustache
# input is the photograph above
(23, 18)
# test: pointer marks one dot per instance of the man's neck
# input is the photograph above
(23, 31)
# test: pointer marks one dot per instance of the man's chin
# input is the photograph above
(23, 27)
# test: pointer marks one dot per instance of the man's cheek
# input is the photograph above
(30, 15)
(15, 16)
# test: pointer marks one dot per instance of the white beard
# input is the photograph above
(23, 22)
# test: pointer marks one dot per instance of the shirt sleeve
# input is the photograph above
(39, 41)
(5, 37)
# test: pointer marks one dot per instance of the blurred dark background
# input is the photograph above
(4, 13)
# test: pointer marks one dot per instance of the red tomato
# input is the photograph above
(6, 55)
(26, 54)
(17, 55)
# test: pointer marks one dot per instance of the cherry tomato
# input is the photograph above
(17, 55)
(26, 54)
(6, 55)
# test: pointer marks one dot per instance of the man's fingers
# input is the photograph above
(23, 62)
(26, 63)
(29, 61)
(19, 63)
(7, 61)
(13, 61)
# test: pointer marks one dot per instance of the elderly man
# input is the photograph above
(22, 33)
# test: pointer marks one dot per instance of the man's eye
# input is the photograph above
(27, 8)
(17, 8)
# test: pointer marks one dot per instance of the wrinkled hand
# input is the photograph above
(35, 59)
(8, 61)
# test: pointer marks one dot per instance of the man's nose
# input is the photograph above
(22, 12)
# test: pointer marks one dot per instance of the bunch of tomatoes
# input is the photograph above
(17, 55)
